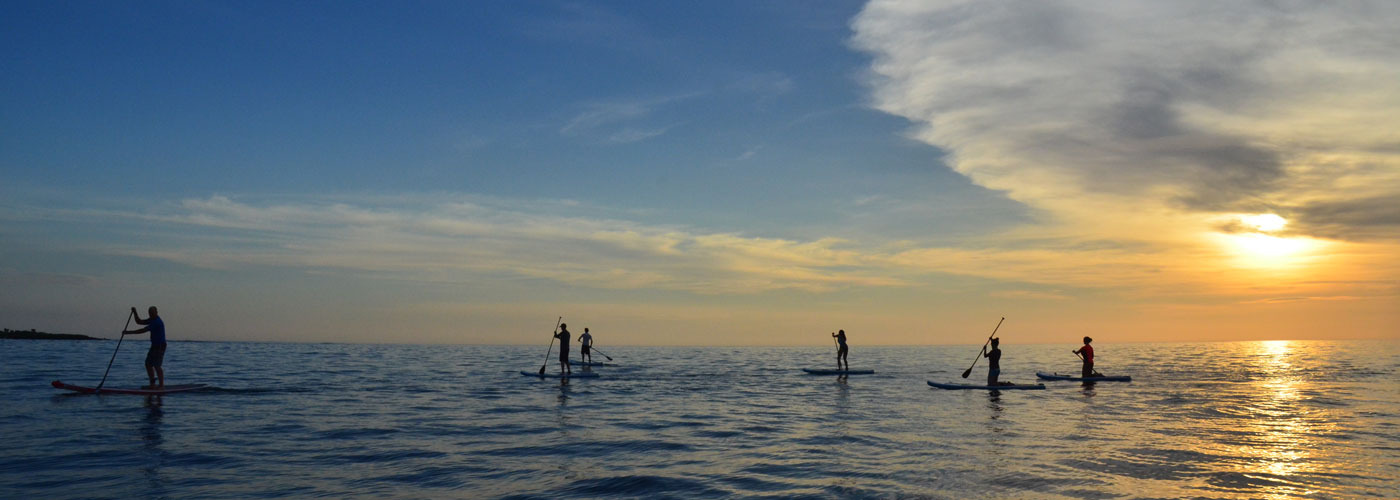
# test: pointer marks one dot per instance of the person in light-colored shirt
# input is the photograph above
(585, 347)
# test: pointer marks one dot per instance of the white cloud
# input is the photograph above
(1091, 109)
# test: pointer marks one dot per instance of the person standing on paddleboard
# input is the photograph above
(156, 356)
(993, 362)
(841, 350)
(1087, 354)
(585, 347)
(563, 337)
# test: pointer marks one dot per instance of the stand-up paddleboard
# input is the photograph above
(591, 363)
(820, 371)
(1056, 376)
(1012, 387)
(559, 375)
(156, 391)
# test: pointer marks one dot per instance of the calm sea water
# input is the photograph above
(1211, 420)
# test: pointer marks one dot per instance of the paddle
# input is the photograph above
(551, 344)
(114, 352)
(595, 349)
(984, 348)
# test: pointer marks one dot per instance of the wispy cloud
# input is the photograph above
(443, 239)
(622, 121)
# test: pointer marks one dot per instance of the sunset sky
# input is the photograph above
(702, 173)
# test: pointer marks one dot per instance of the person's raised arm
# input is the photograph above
(137, 316)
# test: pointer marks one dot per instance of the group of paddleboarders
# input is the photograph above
(993, 356)
(155, 357)
(585, 348)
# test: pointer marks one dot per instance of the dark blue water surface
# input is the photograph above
(1208, 420)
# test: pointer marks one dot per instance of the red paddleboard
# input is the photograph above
(146, 392)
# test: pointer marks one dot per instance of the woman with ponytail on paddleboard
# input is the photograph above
(1087, 354)
(841, 350)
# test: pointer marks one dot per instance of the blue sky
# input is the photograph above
(748, 171)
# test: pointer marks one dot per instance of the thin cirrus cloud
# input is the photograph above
(622, 121)
(462, 240)
(1169, 107)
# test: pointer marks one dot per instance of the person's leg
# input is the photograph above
(160, 373)
(151, 375)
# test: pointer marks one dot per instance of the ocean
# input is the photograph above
(1275, 420)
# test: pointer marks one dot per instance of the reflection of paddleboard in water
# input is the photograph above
(560, 375)
(986, 387)
(155, 391)
(819, 371)
(1056, 376)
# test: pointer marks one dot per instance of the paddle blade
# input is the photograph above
(542, 368)
(967, 372)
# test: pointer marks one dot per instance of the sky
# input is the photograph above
(702, 173)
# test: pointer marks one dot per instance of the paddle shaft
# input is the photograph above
(551, 343)
(114, 353)
(984, 348)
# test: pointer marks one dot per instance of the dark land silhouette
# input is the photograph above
(33, 334)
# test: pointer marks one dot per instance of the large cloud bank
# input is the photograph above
(1086, 109)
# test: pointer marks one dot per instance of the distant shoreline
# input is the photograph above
(37, 335)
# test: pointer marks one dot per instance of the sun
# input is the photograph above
(1266, 223)
(1261, 247)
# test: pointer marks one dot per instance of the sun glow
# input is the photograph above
(1266, 223)
(1255, 248)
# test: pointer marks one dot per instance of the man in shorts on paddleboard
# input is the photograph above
(156, 356)
(1087, 354)
(585, 347)
(993, 362)
(563, 337)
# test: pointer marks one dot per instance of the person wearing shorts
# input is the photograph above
(585, 346)
(155, 357)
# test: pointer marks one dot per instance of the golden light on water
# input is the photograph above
(1281, 429)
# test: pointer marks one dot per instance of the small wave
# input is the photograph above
(643, 486)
